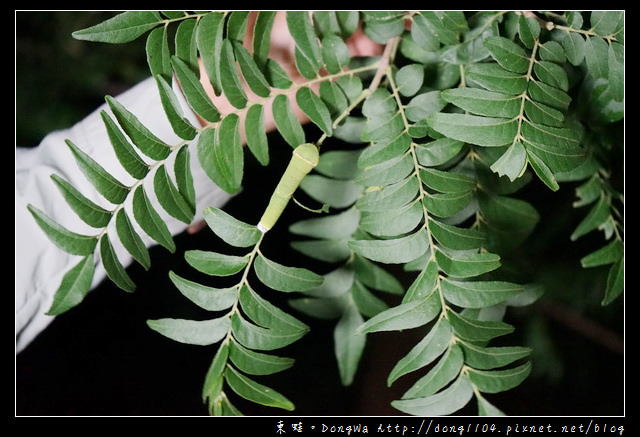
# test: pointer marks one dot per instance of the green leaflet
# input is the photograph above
(181, 126)
(216, 264)
(255, 133)
(443, 403)
(150, 221)
(495, 381)
(214, 379)
(185, 44)
(209, 36)
(170, 198)
(140, 135)
(131, 240)
(90, 213)
(466, 264)
(195, 332)
(209, 298)
(349, 345)
(194, 92)
(122, 28)
(268, 315)
(257, 337)
(442, 373)
(230, 77)
(472, 294)
(286, 121)
(425, 352)
(74, 287)
(284, 278)
(481, 357)
(395, 250)
(474, 330)
(108, 186)
(221, 155)
(256, 363)
(158, 55)
(482, 131)
(230, 229)
(251, 72)
(127, 156)
(315, 109)
(307, 44)
(405, 316)
(66, 240)
(113, 267)
(255, 392)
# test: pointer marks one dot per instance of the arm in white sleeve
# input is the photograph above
(40, 265)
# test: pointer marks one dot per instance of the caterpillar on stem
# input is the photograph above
(305, 157)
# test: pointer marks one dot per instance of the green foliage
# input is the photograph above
(440, 134)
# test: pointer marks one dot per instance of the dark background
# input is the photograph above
(100, 359)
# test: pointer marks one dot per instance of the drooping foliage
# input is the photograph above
(440, 133)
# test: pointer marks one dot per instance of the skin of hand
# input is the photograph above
(281, 50)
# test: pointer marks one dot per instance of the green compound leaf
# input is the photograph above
(75, 285)
(284, 278)
(70, 242)
(122, 28)
(196, 332)
(255, 392)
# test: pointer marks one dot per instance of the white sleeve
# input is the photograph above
(40, 265)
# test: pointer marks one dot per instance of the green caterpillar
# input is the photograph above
(305, 158)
